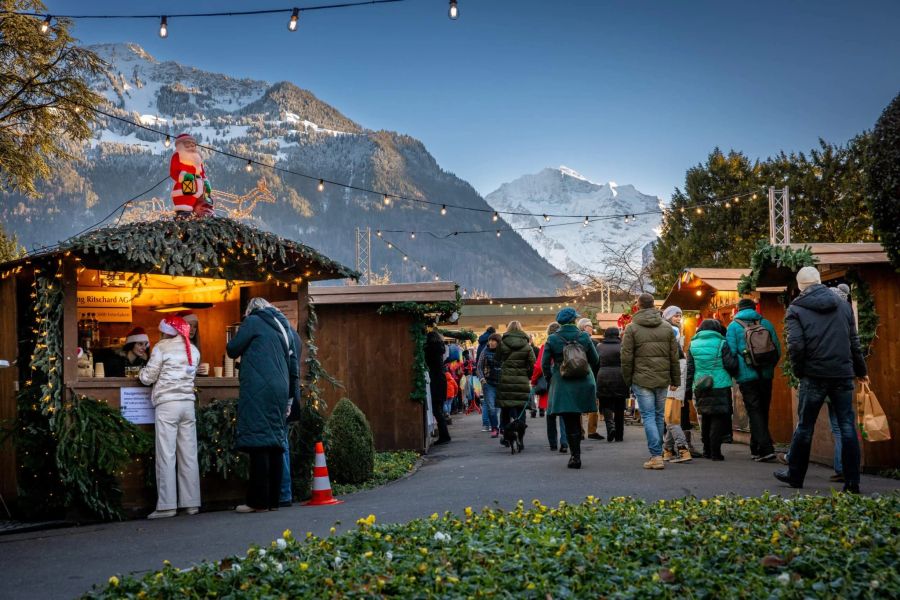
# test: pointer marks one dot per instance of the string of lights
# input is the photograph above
(420, 266)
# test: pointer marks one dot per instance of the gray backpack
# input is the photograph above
(575, 362)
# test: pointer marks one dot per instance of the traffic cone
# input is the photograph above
(321, 492)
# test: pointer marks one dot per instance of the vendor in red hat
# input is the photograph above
(134, 353)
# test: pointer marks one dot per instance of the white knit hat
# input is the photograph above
(808, 276)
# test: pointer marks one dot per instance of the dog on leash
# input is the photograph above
(514, 435)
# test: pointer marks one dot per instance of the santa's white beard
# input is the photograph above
(190, 158)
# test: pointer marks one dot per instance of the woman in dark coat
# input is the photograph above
(611, 389)
(517, 360)
(570, 397)
(434, 361)
(269, 378)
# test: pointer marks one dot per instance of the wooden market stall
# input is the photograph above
(369, 348)
(70, 308)
(875, 291)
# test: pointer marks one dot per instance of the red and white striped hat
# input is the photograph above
(137, 335)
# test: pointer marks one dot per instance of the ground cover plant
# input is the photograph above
(389, 466)
(725, 547)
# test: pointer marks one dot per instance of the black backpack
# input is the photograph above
(759, 347)
(575, 362)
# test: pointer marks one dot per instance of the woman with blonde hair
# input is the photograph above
(517, 361)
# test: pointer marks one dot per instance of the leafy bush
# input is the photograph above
(351, 450)
(389, 466)
(840, 546)
(884, 179)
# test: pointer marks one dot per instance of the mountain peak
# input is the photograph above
(573, 173)
(121, 52)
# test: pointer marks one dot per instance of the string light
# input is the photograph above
(626, 219)
(412, 235)
(167, 142)
(163, 27)
(443, 209)
(436, 278)
(498, 233)
(405, 258)
(378, 233)
(249, 166)
(541, 229)
(454, 10)
(547, 218)
(495, 217)
(586, 222)
(424, 268)
(45, 25)
(390, 245)
(387, 200)
(699, 211)
(753, 197)
(737, 199)
(295, 16)
(321, 186)
(728, 205)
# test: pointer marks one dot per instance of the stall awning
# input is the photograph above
(696, 287)
(440, 291)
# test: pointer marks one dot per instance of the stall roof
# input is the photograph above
(706, 281)
(826, 255)
(224, 248)
(440, 291)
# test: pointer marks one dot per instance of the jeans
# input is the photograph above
(286, 493)
(652, 404)
(551, 431)
(757, 398)
(813, 391)
(489, 406)
(836, 433)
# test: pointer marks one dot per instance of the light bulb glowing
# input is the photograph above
(424, 268)
(699, 292)
(295, 16)
(728, 205)
(387, 200)
(167, 142)
(412, 235)
(405, 258)
(163, 27)
(546, 218)
(681, 210)
(699, 211)
(498, 233)
(321, 186)
(454, 10)
(541, 229)
(737, 199)
(436, 278)
(753, 197)
(443, 209)
(390, 246)
(626, 219)
(495, 217)
(249, 166)
(45, 25)
(378, 233)
(586, 222)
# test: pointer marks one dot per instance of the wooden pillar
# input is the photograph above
(70, 323)
(302, 319)
(8, 384)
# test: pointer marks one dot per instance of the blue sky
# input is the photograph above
(634, 91)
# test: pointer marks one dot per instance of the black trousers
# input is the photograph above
(757, 398)
(713, 429)
(265, 477)
(572, 421)
(614, 417)
(438, 395)
(509, 414)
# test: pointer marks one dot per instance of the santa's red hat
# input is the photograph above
(185, 137)
(137, 335)
(175, 325)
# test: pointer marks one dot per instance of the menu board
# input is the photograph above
(136, 406)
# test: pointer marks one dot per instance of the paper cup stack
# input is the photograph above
(229, 367)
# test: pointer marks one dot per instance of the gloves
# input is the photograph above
(207, 188)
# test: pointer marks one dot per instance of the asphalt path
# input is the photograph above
(473, 470)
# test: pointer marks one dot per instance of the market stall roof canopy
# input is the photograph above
(211, 247)
(828, 257)
(441, 291)
(696, 285)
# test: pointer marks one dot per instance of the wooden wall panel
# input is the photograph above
(8, 379)
(372, 356)
(781, 411)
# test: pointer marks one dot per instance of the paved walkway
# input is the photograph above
(471, 471)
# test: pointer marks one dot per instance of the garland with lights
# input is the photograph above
(780, 256)
(867, 316)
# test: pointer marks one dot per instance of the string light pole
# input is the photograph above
(779, 216)
(364, 255)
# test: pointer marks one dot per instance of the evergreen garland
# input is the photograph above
(767, 255)
(48, 347)
(865, 310)
(216, 427)
(459, 334)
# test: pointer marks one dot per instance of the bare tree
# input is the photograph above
(624, 271)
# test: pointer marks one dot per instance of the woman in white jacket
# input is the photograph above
(171, 371)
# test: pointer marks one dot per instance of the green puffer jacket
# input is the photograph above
(710, 355)
(267, 378)
(517, 362)
(650, 357)
(570, 395)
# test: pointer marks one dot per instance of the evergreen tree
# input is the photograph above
(9, 246)
(884, 179)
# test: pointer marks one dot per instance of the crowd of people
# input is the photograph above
(572, 375)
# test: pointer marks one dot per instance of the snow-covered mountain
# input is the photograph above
(283, 125)
(574, 248)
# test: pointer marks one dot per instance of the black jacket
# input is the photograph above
(610, 383)
(434, 362)
(821, 336)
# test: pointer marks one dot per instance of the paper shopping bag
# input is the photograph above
(673, 411)
(873, 423)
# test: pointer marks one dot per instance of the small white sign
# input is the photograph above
(136, 406)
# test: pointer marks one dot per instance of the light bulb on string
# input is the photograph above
(295, 16)
(728, 205)
(626, 219)
(163, 27)
(249, 166)
(453, 13)
(737, 199)
(498, 233)
(546, 218)
(321, 186)
(753, 197)
(45, 25)
(437, 278)
(412, 235)
(699, 210)
(167, 142)
(405, 258)
(378, 233)
(587, 222)
(387, 200)
(443, 209)
(495, 217)
(390, 246)
(681, 210)
(424, 268)
(540, 229)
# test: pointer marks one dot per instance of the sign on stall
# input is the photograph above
(106, 307)
(136, 405)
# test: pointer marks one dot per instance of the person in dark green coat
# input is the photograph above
(517, 362)
(268, 378)
(570, 397)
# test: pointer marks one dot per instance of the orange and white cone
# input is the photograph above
(321, 492)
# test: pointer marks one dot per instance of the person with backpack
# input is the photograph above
(650, 366)
(517, 362)
(710, 366)
(754, 341)
(488, 370)
(569, 362)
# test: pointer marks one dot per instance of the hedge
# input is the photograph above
(807, 546)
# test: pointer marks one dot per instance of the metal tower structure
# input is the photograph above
(779, 216)
(364, 255)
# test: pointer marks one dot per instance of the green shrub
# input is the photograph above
(351, 450)
(389, 466)
(216, 428)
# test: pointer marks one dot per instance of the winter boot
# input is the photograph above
(575, 450)
(655, 463)
(668, 455)
(684, 455)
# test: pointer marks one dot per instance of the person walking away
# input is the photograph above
(482, 342)
(434, 361)
(517, 363)
(825, 354)
(171, 371)
(488, 370)
(649, 366)
(268, 366)
(570, 361)
(586, 326)
(539, 384)
(532, 397)
(611, 389)
(710, 366)
(756, 368)
(675, 444)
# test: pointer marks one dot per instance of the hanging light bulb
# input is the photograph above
(443, 209)
(405, 258)
(540, 229)
(728, 205)
(167, 142)
(390, 246)
(412, 235)
(495, 217)
(681, 210)
(295, 16)
(454, 10)
(626, 219)
(753, 197)
(498, 233)
(249, 166)
(424, 268)
(737, 199)
(437, 278)
(45, 25)
(699, 210)
(378, 233)
(587, 222)
(546, 218)
(321, 186)
(163, 27)
(387, 200)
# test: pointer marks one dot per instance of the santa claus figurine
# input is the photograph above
(191, 192)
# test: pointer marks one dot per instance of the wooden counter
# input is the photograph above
(107, 388)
